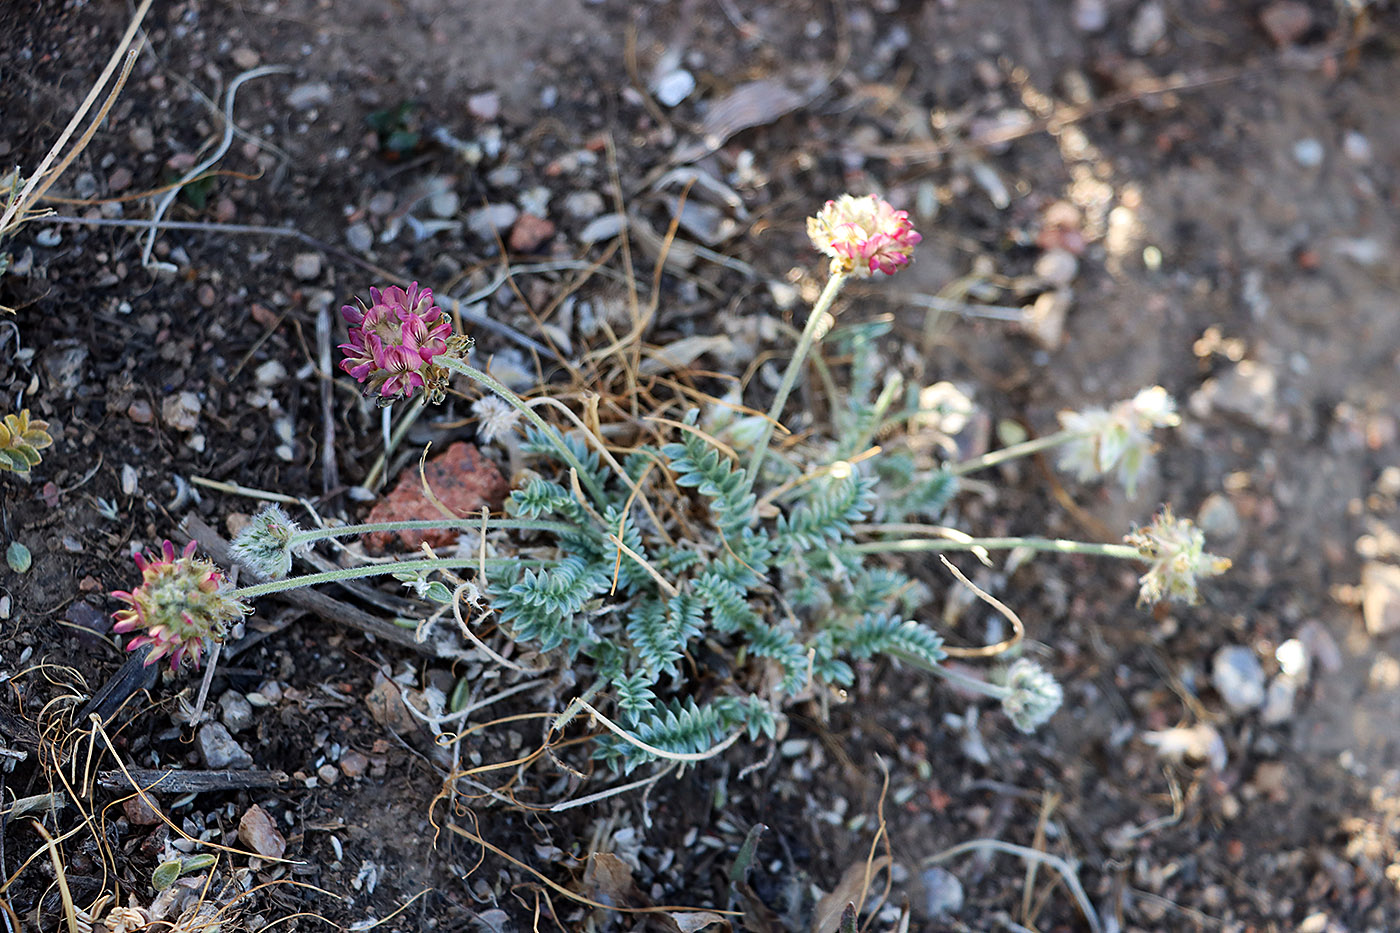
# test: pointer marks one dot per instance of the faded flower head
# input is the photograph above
(1116, 439)
(265, 545)
(393, 342)
(1032, 695)
(182, 600)
(495, 418)
(863, 235)
(1176, 550)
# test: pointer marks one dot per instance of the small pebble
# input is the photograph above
(120, 179)
(85, 185)
(306, 96)
(359, 237)
(353, 764)
(1090, 15)
(244, 57)
(529, 233)
(218, 749)
(49, 236)
(674, 87)
(306, 266)
(1308, 152)
(601, 228)
(943, 892)
(130, 480)
(328, 774)
(1279, 702)
(487, 222)
(444, 203)
(235, 712)
(1356, 147)
(141, 138)
(180, 412)
(1286, 21)
(1380, 597)
(140, 412)
(583, 205)
(270, 373)
(139, 812)
(206, 296)
(1218, 518)
(485, 106)
(1238, 677)
(1149, 27)
(1057, 267)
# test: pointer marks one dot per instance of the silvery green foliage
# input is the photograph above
(735, 594)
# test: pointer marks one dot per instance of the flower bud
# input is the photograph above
(1032, 695)
(265, 545)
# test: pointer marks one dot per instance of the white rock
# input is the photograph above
(1238, 677)
(673, 87)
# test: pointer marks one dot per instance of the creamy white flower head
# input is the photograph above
(1116, 440)
(1176, 549)
(495, 418)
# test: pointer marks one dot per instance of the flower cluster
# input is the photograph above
(1119, 438)
(182, 601)
(265, 545)
(394, 341)
(863, 235)
(1176, 550)
(1032, 695)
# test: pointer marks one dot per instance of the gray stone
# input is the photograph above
(359, 237)
(583, 205)
(235, 711)
(487, 222)
(306, 266)
(218, 749)
(312, 94)
(1149, 27)
(943, 892)
(1238, 677)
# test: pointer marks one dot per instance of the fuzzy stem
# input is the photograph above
(378, 570)
(973, 684)
(1056, 545)
(343, 531)
(476, 375)
(794, 368)
(1010, 453)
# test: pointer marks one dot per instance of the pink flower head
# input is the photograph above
(863, 235)
(394, 340)
(181, 602)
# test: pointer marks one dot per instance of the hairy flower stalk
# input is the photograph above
(182, 602)
(1175, 548)
(267, 544)
(862, 236)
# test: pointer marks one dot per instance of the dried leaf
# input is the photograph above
(692, 920)
(608, 880)
(850, 890)
(683, 352)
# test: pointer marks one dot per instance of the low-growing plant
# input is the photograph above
(696, 580)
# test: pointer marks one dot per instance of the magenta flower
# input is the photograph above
(863, 235)
(181, 602)
(394, 340)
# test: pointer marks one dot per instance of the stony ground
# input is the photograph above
(1114, 193)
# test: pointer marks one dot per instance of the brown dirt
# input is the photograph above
(1239, 205)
